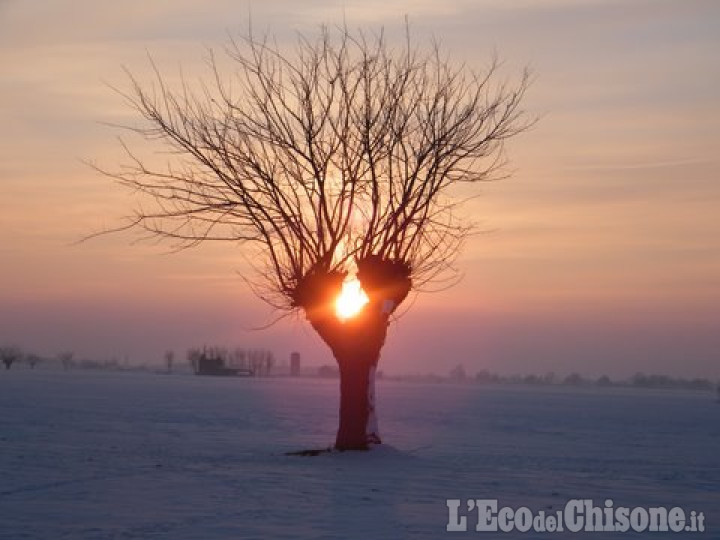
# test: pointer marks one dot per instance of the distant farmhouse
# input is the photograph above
(210, 365)
(238, 363)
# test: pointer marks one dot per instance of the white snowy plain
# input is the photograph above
(101, 455)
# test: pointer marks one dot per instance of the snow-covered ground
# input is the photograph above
(95, 455)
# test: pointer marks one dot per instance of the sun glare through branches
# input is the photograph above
(351, 300)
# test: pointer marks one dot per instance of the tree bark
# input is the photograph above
(356, 345)
(357, 341)
(358, 421)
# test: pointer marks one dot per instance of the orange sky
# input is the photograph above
(602, 253)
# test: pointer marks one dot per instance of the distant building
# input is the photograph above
(215, 365)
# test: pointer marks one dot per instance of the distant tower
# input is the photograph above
(295, 364)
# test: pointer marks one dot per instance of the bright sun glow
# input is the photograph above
(351, 300)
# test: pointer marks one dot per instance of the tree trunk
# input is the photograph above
(358, 421)
(357, 341)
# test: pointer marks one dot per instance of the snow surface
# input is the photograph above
(96, 455)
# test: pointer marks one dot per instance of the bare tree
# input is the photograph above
(33, 360)
(260, 361)
(169, 359)
(269, 363)
(238, 358)
(458, 373)
(194, 356)
(343, 156)
(9, 354)
(66, 359)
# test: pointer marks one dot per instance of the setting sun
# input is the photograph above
(351, 300)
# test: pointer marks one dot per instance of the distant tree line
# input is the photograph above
(639, 380)
(11, 355)
(261, 363)
(258, 361)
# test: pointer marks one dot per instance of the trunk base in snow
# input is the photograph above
(358, 422)
(357, 341)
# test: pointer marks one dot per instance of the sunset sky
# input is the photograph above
(601, 253)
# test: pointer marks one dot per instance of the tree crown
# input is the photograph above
(342, 152)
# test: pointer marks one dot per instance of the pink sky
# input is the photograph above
(602, 253)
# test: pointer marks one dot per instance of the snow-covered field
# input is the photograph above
(93, 455)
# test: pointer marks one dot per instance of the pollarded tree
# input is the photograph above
(33, 360)
(338, 158)
(9, 354)
(66, 359)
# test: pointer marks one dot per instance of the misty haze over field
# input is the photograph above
(602, 252)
